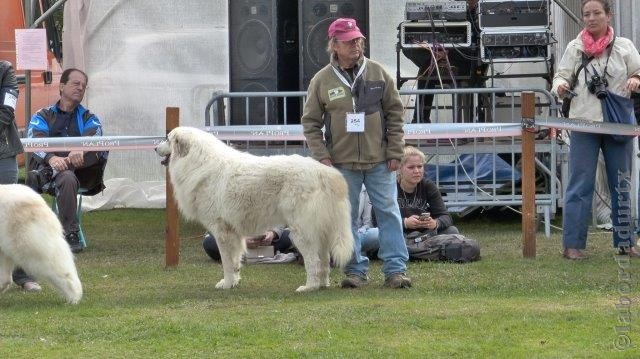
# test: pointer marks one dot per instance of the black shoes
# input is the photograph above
(74, 242)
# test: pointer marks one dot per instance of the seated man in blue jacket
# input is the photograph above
(63, 173)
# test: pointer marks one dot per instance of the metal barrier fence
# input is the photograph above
(526, 129)
(458, 129)
(470, 105)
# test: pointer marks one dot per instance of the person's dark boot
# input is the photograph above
(74, 242)
(353, 281)
(574, 254)
(397, 280)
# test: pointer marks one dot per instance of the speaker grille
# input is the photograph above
(315, 18)
(317, 38)
(259, 114)
(263, 58)
(254, 45)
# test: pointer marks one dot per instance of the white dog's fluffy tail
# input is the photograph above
(339, 219)
(34, 241)
(342, 246)
(46, 255)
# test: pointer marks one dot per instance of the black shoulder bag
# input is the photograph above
(615, 108)
(566, 102)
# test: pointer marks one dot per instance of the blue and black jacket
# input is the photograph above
(87, 125)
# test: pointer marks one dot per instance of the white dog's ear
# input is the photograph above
(180, 146)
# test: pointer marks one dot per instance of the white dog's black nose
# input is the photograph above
(161, 151)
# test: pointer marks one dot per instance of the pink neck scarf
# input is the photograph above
(594, 47)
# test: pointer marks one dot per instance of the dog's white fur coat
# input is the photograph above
(31, 237)
(235, 194)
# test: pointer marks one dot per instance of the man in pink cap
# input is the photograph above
(357, 103)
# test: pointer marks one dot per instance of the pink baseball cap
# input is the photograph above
(344, 29)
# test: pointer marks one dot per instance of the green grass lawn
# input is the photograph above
(502, 306)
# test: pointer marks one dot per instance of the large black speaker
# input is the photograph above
(263, 57)
(315, 18)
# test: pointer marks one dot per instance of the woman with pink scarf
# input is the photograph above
(594, 61)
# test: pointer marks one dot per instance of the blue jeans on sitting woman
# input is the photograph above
(381, 187)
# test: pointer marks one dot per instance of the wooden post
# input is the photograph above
(528, 176)
(172, 227)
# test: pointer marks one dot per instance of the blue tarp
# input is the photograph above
(479, 167)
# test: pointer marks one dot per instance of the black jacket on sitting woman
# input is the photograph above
(425, 198)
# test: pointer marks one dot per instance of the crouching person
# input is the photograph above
(428, 227)
(62, 174)
(277, 237)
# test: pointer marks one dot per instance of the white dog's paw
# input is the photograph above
(222, 284)
(5, 286)
(305, 288)
(73, 301)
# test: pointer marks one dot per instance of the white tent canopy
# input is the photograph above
(145, 55)
(142, 56)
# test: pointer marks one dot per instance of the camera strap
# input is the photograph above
(574, 79)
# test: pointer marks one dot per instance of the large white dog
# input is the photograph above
(31, 238)
(235, 194)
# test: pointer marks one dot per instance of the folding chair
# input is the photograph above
(54, 207)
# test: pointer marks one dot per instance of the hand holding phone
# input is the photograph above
(424, 216)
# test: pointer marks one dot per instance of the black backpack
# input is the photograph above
(443, 247)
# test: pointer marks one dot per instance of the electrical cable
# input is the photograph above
(441, 50)
(433, 48)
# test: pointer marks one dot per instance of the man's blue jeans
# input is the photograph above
(381, 187)
(369, 242)
(583, 158)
